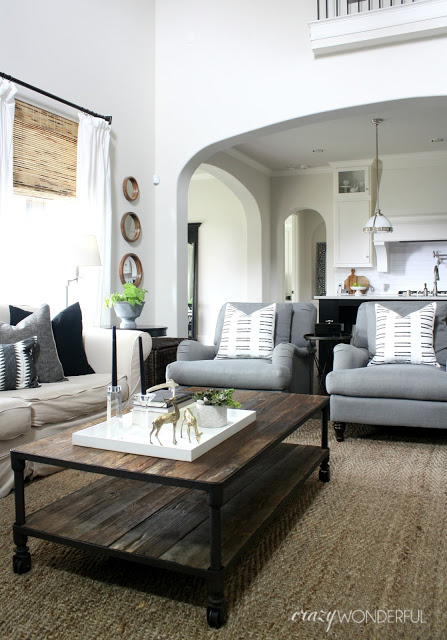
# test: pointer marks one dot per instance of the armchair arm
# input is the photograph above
(98, 349)
(346, 356)
(284, 352)
(193, 350)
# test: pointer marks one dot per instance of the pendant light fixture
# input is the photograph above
(377, 222)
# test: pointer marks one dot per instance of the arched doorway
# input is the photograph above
(304, 256)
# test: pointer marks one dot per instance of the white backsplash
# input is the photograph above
(411, 265)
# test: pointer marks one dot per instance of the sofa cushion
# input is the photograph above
(405, 381)
(407, 339)
(64, 401)
(48, 366)
(15, 417)
(67, 332)
(247, 335)
(17, 369)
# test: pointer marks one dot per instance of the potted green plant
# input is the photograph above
(127, 305)
(212, 406)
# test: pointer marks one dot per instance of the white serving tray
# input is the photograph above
(133, 438)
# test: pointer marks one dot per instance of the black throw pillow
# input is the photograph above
(67, 332)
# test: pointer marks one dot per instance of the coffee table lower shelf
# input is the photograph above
(174, 527)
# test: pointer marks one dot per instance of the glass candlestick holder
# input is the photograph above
(114, 406)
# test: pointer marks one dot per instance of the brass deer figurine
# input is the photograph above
(191, 421)
(166, 418)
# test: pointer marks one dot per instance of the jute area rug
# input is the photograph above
(363, 556)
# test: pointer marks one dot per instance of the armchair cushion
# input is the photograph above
(283, 320)
(247, 335)
(401, 381)
(365, 333)
(406, 340)
(237, 373)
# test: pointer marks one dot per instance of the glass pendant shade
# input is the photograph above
(377, 223)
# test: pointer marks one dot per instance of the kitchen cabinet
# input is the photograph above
(352, 208)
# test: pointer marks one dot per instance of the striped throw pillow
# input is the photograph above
(405, 340)
(17, 370)
(247, 336)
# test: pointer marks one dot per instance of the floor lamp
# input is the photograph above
(84, 253)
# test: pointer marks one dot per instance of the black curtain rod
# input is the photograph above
(53, 97)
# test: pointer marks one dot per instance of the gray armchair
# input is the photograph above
(405, 395)
(288, 370)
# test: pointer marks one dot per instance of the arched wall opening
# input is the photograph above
(229, 247)
(272, 219)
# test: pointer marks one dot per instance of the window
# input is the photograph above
(43, 207)
(45, 151)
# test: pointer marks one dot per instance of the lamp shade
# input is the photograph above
(378, 223)
(84, 252)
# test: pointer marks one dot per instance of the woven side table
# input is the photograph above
(164, 351)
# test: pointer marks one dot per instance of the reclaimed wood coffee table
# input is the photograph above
(192, 517)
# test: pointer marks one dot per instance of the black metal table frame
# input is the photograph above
(322, 370)
(215, 574)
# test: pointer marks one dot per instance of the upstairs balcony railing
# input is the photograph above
(336, 8)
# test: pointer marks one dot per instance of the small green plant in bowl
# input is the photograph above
(127, 305)
(217, 398)
(132, 294)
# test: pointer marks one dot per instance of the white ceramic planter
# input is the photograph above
(127, 314)
(211, 417)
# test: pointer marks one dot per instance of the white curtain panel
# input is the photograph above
(7, 106)
(93, 193)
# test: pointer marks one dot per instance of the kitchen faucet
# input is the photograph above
(435, 279)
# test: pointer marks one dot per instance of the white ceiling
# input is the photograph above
(408, 127)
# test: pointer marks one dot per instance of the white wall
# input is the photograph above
(228, 68)
(252, 188)
(300, 193)
(99, 55)
(222, 249)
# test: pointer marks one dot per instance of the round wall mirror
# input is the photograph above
(130, 269)
(130, 188)
(130, 227)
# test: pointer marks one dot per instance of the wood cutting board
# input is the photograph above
(362, 281)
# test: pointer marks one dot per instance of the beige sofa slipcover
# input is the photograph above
(30, 414)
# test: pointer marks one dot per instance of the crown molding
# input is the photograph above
(421, 159)
(302, 172)
(202, 175)
(238, 155)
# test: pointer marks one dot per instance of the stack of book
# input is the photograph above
(158, 401)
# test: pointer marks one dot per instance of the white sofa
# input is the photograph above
(30, 414)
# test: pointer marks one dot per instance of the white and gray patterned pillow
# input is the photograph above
(48, 366)
(405, 340)
(17, 370)
(247, 335)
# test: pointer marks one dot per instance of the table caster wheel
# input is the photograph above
(215, 618)
(21, 564)
(324, 475)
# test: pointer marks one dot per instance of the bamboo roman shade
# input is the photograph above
(45, 153)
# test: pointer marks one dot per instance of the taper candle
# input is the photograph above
(142, 377)
(114, 371)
